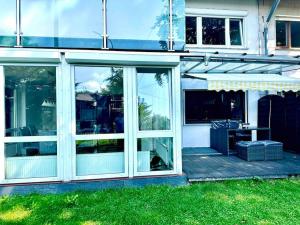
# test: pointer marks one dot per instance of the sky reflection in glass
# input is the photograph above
(7, 23)
(138, 24)
(76, 23)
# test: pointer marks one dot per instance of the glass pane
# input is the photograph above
(281, 34)
(30, 101)
(154, 98)
(30, 160)
(236, 31)
(136, 24)
(178, 24)
(213, 31)
(191, 30)
(295, 34)
(204, 106)
(64, 23)
(154, 154)
(100, 157)
(99, 100)
(7, 23)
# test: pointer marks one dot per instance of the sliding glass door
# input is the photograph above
(30, 122)
(111, 139)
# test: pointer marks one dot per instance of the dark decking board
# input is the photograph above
(202, 168)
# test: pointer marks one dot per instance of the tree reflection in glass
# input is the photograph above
(136, 24)
(154, 98)
(30, 100)
(99, 100)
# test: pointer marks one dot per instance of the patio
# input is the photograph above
(200, 167)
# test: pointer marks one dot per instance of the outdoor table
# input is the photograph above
(220, 137)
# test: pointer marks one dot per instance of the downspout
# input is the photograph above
(267, 23)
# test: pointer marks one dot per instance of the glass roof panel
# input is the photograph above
(185, 65)
(234, 63)
(203, 68)
(227, 67)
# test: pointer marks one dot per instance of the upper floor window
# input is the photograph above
(214, 31)
(288, 34)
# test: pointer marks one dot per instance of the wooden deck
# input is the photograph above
(202, 168)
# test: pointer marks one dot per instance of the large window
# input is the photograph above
(30, 101)
(30, 122)
(214, 31)
(7, 23)
(64, 23)
(99, 121)
(205, 106)
(288, 34)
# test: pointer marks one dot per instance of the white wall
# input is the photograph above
(196, 135)
(251, 22)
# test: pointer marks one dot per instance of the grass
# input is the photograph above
(232, 202)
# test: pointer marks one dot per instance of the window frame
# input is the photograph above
(171, 133)
(288, 22)
(205, 123)
(227, 18)
(29, 139)
(91, 137)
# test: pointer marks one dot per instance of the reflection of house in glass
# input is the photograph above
(99, 114)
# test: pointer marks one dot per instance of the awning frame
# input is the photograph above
(283, 63)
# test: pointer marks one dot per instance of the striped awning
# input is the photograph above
(244, 82)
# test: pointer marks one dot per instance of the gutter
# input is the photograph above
(267, 23)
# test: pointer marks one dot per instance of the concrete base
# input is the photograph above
(59, 188)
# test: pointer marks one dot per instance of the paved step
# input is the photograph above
(200, 151)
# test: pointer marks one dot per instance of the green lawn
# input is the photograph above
(232, 202)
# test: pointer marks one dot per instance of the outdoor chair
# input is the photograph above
(251, 151)
(273, 150)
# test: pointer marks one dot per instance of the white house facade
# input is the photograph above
(115, 89)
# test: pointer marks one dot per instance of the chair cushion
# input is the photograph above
(269, 142)
(250, 143)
